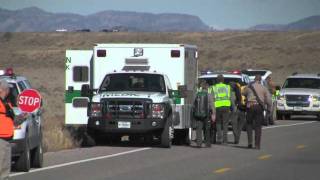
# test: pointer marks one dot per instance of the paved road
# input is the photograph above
(290, 150)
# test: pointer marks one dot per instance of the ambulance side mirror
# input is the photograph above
(85, 90)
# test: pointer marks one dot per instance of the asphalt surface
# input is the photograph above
(290, 150)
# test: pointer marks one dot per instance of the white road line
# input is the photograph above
(81, 161)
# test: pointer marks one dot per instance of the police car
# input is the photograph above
(26, 144)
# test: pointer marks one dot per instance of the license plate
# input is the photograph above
(122, 124)
(297, 108)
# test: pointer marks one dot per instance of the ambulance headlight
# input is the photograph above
(158, 111)
(95, 110)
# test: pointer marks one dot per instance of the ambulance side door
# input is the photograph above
(77, 73)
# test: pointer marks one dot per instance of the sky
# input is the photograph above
(220, 14)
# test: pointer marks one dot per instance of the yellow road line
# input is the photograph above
(265, 157)
(301, 146)
(222, 170)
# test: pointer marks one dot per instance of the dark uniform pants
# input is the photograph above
(5, 159)
(203, 126)
(254, 121)
(222, 122)
(238, 120)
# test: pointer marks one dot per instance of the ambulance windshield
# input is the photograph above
(134, 82)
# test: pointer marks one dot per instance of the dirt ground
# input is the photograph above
(40, 57)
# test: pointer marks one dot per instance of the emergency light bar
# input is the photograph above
(7, 72)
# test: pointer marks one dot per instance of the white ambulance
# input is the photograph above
(139, 90)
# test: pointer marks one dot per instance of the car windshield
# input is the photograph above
(311, 83)
(134, 82)
(213, 80)
(254, 73)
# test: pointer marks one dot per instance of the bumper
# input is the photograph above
(303, 112)
(18, 146)
(131, 126)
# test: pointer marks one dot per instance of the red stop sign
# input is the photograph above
(29, 100)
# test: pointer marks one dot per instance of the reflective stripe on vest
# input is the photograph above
(222, 94)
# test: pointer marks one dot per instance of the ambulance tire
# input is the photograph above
(24, 161)
(165, 136)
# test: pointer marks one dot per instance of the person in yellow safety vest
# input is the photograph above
(222, 95)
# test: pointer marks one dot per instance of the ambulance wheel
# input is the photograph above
(166, 134)
(37, 155)
(23, 162)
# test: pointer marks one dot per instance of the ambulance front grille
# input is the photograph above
(126, 108)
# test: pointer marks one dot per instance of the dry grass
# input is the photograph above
(40, 57)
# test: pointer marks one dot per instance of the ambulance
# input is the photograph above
(138, 90)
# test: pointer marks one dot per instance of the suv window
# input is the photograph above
(12, 97)
(311, 83)
(254, 73)
(22, 86)
(213, 80)
(134, 82)
(27, 83)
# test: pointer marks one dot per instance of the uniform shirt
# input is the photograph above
(262, 92)
(210, 100)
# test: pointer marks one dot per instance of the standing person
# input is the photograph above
(6, 131)
(7, 118)
(272, 90)
(238, 112)
(222, 101)
(202, 110)
(257, 97)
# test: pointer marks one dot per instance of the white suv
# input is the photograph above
(300, 95)
(26, 144)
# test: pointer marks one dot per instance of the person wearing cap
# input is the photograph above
(222, 103)
(258, 98)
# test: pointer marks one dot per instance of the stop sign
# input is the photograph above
(29, 100)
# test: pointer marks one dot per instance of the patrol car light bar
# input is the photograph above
(9, 72)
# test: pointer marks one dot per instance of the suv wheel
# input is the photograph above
(23, 163)
(37, 155)
(167, 133)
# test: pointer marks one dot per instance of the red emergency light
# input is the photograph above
(236, 72)
(9, 72)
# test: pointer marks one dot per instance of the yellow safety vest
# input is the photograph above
(222, 94)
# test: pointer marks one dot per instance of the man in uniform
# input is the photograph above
(222, 103)
(258, 98)
(203, 111)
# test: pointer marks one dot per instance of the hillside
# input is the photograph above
(40, 56)
(37, 20)
(309, 23)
